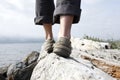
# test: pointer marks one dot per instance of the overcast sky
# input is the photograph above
(99, 18)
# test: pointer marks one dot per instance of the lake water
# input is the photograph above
(13, 52)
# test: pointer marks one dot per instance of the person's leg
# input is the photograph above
(48, 44)
(65, 26)
(63, 45)
(44, 17)
(48, 31)
(49, 41)
(66, 13)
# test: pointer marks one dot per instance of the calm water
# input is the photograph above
(12, 52)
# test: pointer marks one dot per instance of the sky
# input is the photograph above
(99, 18)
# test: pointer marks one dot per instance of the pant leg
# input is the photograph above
(67, 7)
(44, 11)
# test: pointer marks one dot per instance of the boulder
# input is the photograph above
(53, 67)
(2, 77)
(106, 60)
(3, 72)
(84, 44)
(23, 70)
(89, 60)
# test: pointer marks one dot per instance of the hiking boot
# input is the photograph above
(63, 47)
(48, 45)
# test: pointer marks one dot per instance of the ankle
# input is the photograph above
(49, 38)
(66, 36)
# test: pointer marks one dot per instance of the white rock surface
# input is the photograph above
(84, 44)
(53, 67)
(86, 63)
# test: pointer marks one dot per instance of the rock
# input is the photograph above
(107, 63)
(105, 45)
(84, 44)
(111, 55)
(23, 70)
(111, 69)
(53, 67)
(3, 72)
(31, 58)
(2, 77)
(89, 61)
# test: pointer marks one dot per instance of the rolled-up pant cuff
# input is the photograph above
(44, 12)
(40, 20)
(47, 13)
(67, 10)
